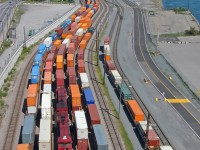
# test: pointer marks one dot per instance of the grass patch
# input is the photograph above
(122, 131)
(5, 44)
(172, 35)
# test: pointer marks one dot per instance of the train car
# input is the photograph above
(81, 130)
(53, 35)
(64, 138)
(100, 140)
(81, 66)
(116, 77)
(49, 66)
(47, 77)
(71, 48)
(89, 98)
(135, 111)
(70, 60)
(60, 56)
(47, 88)
(94, 117)
(50, 57)
(109, 65)
(60, 78)
(35, 75)
(71, 75)
(28, 131)
(75, 97)
(32, 98)
(63, 117)
(42, 50)
(84, 80)
(38, 61)
(66, 42)
(61, 106)
(125, 92)
(61, 93)
(54, 49)
(46, 106)
(45, 134)
(48, 43)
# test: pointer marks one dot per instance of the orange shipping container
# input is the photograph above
(73, 18)
(135, 110)
(107, 57)
(80, 38)
(70, 60)
(79, 24)
(69, 36)
(57, 43)
(76, 96)
(83, 44)
(83, 8)
(87, 36)
(23, 147)
(59, 62)
(32, 94)
(47, 77)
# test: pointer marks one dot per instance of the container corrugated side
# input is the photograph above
(81, 125)
(45, 134)
(47, 88)
(28, 133)
(100, 136)
(46, 106)
(84, 80)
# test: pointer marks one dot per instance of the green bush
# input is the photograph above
(1, 103)
(6, 89)
(4, 94)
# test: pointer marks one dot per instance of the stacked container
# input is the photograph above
(107, 52)
(32, 98)
(60, 57)
(70, 60)
(48, 43)
(81, 66)
(75, 97)
(35, 75)
(110, 65)
(93, 114)
(117, 79)
(23, 147)
(46, 106)
(71, 75)
(84, 80)
(89, 98)
(60, 78)
(82, 130)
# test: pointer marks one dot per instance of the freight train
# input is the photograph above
(132, 106)
(66, 115)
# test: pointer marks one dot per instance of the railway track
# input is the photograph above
(107, 116)
(17, 107)
(158, 130)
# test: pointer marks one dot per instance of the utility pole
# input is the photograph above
(97, 46)
(147, 132)
(104, 64)
(24, 37)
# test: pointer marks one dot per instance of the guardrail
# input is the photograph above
(31, 41)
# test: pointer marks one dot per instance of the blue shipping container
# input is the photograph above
(88, 96)
(54, 35)
(68, 21)
(35, 73)
(28, 133)
(91, 6)
(100, 136)
(87, 6)
(38, 60)
(42, 49)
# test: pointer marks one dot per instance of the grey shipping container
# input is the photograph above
(100, 136)
(28, 133)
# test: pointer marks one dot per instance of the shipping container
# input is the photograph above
(32, 110)
(54, 49)
(60, 78)
(81, 125)
(107, 40)
(84, 80)
(66, 42)
(42, 49)
(59, 31)
(61, 106)
(49, 66)
(107, 57)
(69, 36)
(47, 88)
(81, 53)
(77, 19)
(79, 32)
(57, 43)
(32, 95)
(28, 131)
(88, 96)
(61, 94)
(65, 33)
(23, 147)
(82, 144)
(53, 35)
(117, 79)
(93, 114)
(135, 110)
(60, 62)
(110, 65)
(47, 77)
(142, 127)
(71, 48)
(63, 117)
(166, 147)
(45, 134)
(75, 97)
(71, 75)
(48, 42)
(83, 44)
(46, 106)
(81, 66)
(107, 49)
(73, 18)
(125, 91)
(70, 60)
(65, 136)
(35, 74)
(50, 57)
(38, 60)
(87, 36)
(100, 137)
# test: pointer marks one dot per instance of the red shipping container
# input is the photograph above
(74, 38)
(50, 57)
(81, 53)
(71, 48)
(73, 30)
(65, 147)
(59, 30)
(74, 24)
(71, 75)
(61, 106)
(110, 65)
(107, 40)
(82, 144)
(65, 136)
(60, 78)
(94, 115)
(81, 66)
(62, 117)
(153, 139)
(54, 49)
(49, 66)
(62, 50)
(61, 94)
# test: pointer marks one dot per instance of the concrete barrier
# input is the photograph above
(33, 40)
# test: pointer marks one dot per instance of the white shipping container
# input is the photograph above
(84, 80)
(45, 134)
(81, 125)
(32, 110)
(79, 32)
(47, 88)
(77, 19)
(92, 12)
(107, 49)
(116, 76)
(166, 147)
(66, 42)
(143, 126)
(48, 42)
(46, 106)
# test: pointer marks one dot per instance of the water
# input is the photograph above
(193, 6)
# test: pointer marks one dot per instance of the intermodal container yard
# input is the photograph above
(66, 116)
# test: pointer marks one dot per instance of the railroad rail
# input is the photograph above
(107, 116)
(17, 107)
(158, 130)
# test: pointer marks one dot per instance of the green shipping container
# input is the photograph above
(124, 90)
